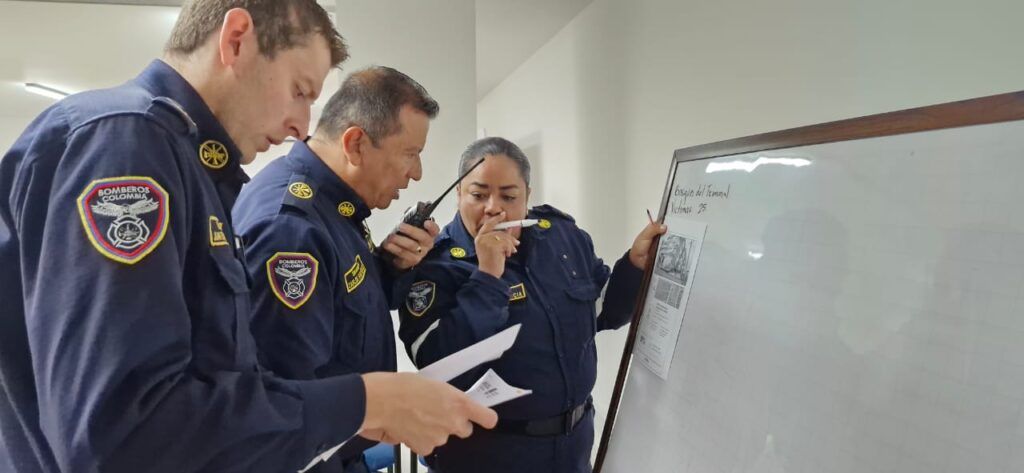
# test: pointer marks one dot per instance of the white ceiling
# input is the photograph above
(508, 32)
(119, 42)
(77, 46)
(46, 43)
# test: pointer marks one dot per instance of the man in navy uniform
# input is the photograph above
(124, 334)
(321, 289)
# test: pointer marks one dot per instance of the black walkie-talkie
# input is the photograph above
(418, 215)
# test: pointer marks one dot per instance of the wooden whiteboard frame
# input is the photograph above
(980, 111)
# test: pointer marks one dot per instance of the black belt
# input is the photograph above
(561, 424)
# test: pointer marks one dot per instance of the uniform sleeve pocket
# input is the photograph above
(350, 330)
(230, 269)
(233, 273)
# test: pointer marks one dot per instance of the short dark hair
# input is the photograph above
(493, 146)
(279, 24)
(371, 99)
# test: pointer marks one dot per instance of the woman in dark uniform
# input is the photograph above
(478, 281)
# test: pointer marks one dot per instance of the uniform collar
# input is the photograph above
(459, 236)
(456, 232)
(329, 186)
(216, 151)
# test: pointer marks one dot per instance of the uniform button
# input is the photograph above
(574, 274)
(565, 257)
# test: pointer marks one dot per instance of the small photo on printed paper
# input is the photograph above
(673, 261)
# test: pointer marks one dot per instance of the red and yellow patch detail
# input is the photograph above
(292, 277)
(125, 218)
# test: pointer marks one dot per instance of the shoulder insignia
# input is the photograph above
(292, 277)
(217, 235)
(355, 275)
(518, 292)
(299, 193)
(346, 209)
(544, 223)
(167, 109)
(420, 298)
(300, 190)
(551, 212)
(457, 252)
(213, 154)
(125, 218)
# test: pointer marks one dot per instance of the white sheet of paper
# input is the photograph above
(488, 349)
(490, 390)
(674, 269)
(322, 457)
(451, 366)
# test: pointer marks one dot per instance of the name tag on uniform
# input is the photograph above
(518, 292)
(217, 235)
(355, 275)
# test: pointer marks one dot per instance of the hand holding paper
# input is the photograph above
(421, 412)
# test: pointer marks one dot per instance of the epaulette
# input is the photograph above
(299, 193)
(446, 248)
(172, 116)
(441, 246)
(549, 211)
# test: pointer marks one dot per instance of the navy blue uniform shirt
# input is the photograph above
(550, 286)
(319, 305)
(125, 326)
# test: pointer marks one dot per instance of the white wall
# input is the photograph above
(435, 45)
(602, 106)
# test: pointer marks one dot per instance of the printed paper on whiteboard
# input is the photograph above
(669, 290)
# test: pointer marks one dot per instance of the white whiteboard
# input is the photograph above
(860, 314)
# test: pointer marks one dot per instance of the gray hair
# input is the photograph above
(494, 146)
(371, 99)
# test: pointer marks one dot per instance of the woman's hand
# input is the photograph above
(641, 249)
(494, 246)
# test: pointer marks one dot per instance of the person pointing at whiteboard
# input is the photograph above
(487, 272)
